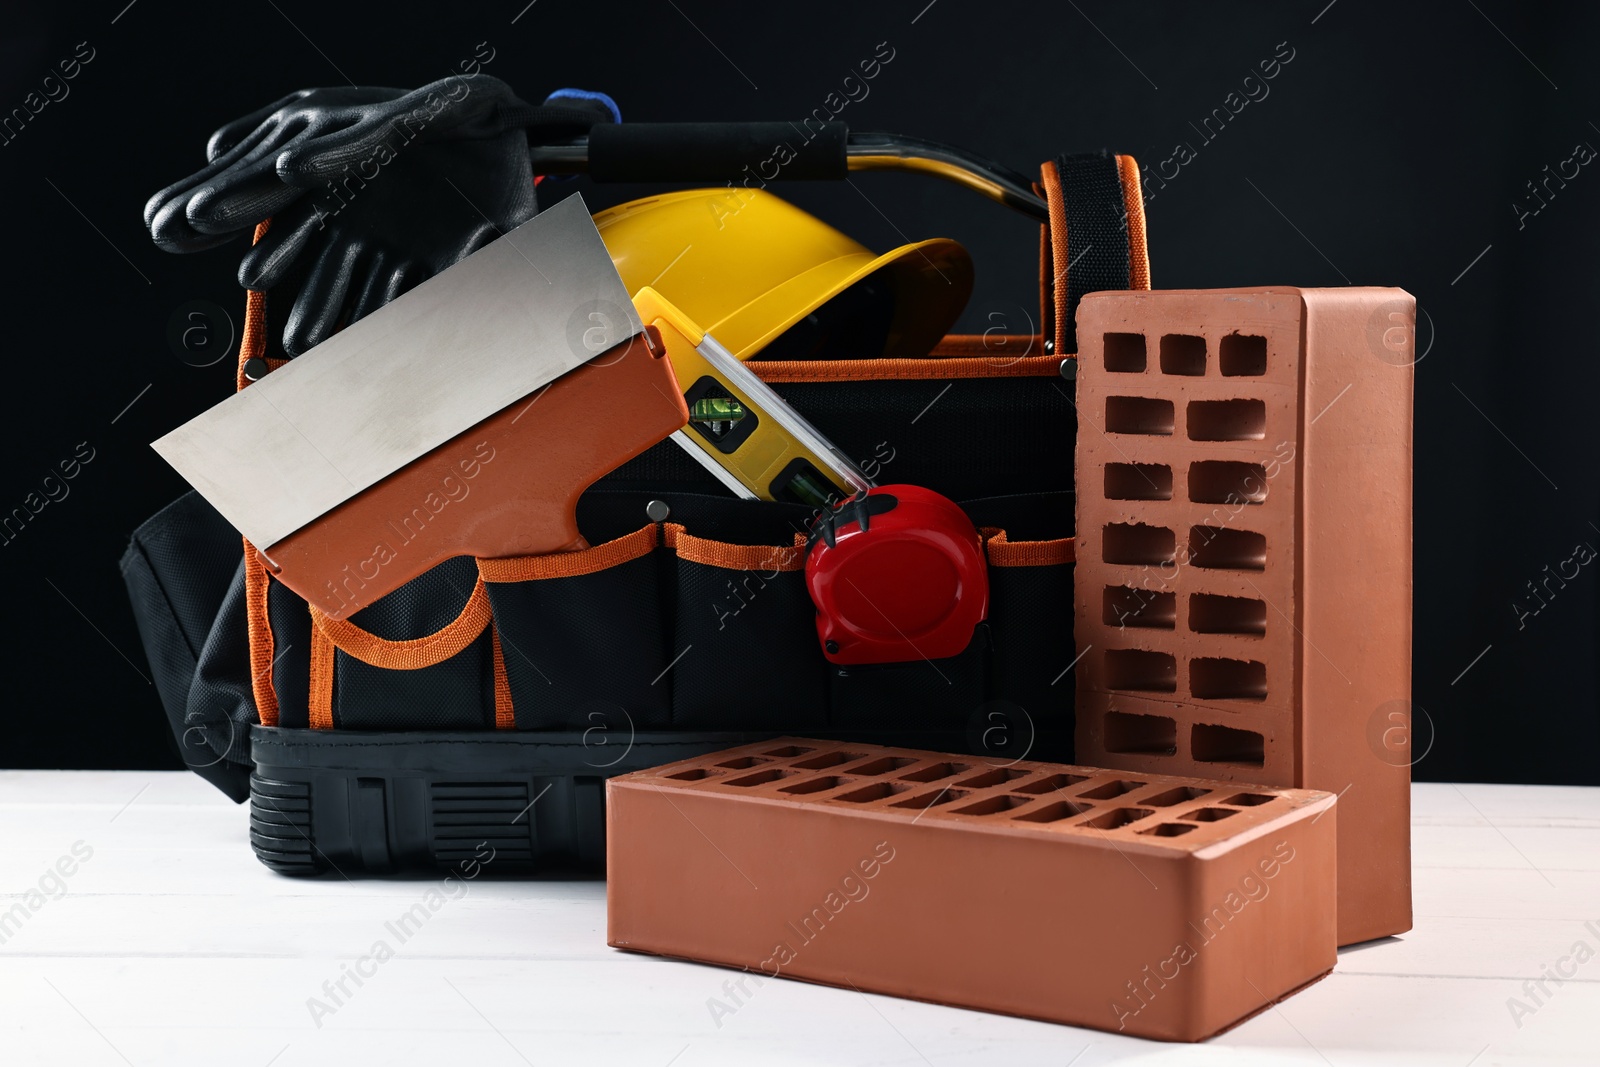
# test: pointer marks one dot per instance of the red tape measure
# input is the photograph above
(897, 573)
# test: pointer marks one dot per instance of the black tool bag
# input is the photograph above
(487, 700)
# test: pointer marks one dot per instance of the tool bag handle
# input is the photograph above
(1094, 239)
(755, 153)
(1090, 204)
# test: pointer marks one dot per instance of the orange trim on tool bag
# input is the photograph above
(1047, 296)
(569, 564)
(1133, 204)
(417, 652)
(1004, 553)
(253, 341)
(993, 343)
(1059, 262)
(258, 625)
(932, 368)
(258, 628)
(320, 680)
(505, 716)
(774, 558)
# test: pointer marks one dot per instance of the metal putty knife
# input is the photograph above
(463, 418)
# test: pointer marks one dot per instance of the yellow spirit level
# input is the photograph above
(739, 429)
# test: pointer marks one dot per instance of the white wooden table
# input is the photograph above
(167, 943)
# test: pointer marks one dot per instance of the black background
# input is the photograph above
(1390, 151)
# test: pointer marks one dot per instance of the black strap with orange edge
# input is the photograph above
(1095, 238)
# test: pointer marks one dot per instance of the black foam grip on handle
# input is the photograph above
(717, 152)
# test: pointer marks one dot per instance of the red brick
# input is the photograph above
(1244, 554)
(1159, 906)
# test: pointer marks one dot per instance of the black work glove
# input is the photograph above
(370, 191)
(351, 251)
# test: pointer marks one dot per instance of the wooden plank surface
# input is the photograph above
(167, 943)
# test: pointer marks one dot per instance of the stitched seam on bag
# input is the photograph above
(1059, 262)
(969, 345)
(1004, 553)
(505, 716)
(614, 553)
(1138, 240)
(319, 701)
(413, 653)
(729, 556)
(800, 371)
(259, 636)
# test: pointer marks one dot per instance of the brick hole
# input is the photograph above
(1138, 670)
(994, 777)
(1242, 355)
(1054, 812)
(1210, 613)
(1109, 790)
(1137, 543)
(1124, 352)
(1050, 783)
(1141, 415)
(1250, 800)
(816, 785)
(788, 750)
(875, 791)
(1217, 481)
(1216, 678)
(934, 772)
(693, 774)
(1115, 818)
(1184, 354)
(771, 774)
(1208, 814)
(1168, 829)
(1138, 481)
(1174, 796)
(883, 765)
(1226, 549)
(931, 800)
(1226, 420)
(827, 759)
(991, 805)
(738, 763)
(1145, 608)
(1224, 744)
(1150, 735)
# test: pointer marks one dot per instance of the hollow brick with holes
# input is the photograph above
(1146, 904)
(1243, 582)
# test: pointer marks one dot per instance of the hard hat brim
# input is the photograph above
(931, 281)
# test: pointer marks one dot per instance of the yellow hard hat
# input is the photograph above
(766, 278)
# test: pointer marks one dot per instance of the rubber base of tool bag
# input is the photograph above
(349, 804)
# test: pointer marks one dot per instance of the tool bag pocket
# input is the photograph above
(1029, 703)
(415, 659)
(1010, 690)
(582, 636)
(910, 698)
(746, 639)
